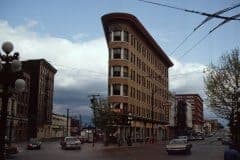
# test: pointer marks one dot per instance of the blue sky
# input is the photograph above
(71, 30)
(68, 18)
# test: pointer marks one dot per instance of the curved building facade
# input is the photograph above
(138, 77)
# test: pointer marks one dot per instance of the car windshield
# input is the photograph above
(34, 140)
(182, 137)
(178, 141)
(71, 139)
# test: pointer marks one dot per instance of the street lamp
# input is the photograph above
(9, 73)
(130, 127)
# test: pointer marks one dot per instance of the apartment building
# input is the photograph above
(197, 109)
(17, 113)
(41, 100)
(138, 77)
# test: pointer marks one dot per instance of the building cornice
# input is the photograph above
(107, 19)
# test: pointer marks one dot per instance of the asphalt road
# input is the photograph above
(208, 149)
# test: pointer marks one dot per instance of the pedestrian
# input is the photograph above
(231, 153)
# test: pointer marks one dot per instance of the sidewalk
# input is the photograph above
(100, 146)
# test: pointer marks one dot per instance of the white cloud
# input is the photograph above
(186, 78)
(82, 64)
(79, 63)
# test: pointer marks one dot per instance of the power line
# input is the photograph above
(195, 45)
(184, 40)
(222, 23)
(203, 22)
(225, 21)
(190, 11)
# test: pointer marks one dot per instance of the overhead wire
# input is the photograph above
(203, 22)
(190, 11)
(203, 38)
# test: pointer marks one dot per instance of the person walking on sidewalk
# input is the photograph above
(231, 153)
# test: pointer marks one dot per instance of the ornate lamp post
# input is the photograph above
(130, 127)
(10, 68)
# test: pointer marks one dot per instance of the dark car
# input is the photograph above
(11, 149)
(34, 144)
(199, 137)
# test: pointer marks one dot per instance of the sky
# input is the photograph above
(69, 35)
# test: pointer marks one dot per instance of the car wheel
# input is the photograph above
(188, 151)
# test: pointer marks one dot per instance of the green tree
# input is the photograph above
(104, 118)
(222, 83)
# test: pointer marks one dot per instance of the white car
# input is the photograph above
(183, 137)
(71, 143)
(178, 146)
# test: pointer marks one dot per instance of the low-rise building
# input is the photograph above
(59, 125)
(57, 129)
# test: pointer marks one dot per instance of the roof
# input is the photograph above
(54, 70)
(129, 18)
(185, 95)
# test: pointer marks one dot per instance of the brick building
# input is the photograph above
(17, 113)
(197, 109)
(41, 91)
(138, 73)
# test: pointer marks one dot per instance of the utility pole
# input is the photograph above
(94, 103)
(67, 120)
(80, 123)
(152, 103)
(152, 77)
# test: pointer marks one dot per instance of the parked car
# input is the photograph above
(191, 138)
(11, 149)
(34, 144)
(199, 137)
(226, 141)
(219, 138)
(179, 146)
(183, 137)
(71, 143)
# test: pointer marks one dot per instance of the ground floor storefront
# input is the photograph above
(140, 131)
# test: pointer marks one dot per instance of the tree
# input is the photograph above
(222, 83)
(104, 118)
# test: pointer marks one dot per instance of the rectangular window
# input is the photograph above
(116, 89)
(125, 71)
(125, 90)
(116, 35)
(132, 42)
(116, 71)
(125, 36)
(116, 53)
(125, 53)
(125, 108)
